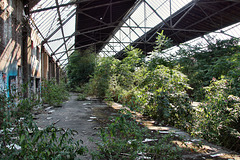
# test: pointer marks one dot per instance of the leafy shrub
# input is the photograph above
(158, 92)
(124, 139)
(100, 81)
(24, 140)
(3, 104)
(220, 57)
(81, 97)
(81, 67)
(20, 138)
(165, 96)
(217, 118)
(53, 93)
(159, 88)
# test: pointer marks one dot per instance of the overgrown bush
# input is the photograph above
(81, 97)
(53, 93)
(81, 67)
(126, 139)
(158, 92)
(99, 83)
(20, 137)
(160, 88)
(217, 118)
(200, 64)
(165, 97)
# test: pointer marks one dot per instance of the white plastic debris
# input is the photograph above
(216, 155)
(143, 157)
(149, 140)
(48, 108)
(90, 120)
(164, 132)
(196, 140)
(14, 146)
(40, 129)
(48, 118)
(93, 117)
(130, 141)
(8, 129)
(86, 104)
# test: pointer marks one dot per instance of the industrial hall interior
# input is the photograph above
(166, 71)
(38, 37)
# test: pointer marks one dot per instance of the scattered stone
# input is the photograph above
(56, 122)
(45, 105)
(114, 114)
(48, 118)
(35, 118)
(88, 98)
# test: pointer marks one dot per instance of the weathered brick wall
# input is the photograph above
(45, 64)
(35, 55)
(11, 15)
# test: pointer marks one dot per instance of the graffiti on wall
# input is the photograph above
(3, 81)
(12, 85)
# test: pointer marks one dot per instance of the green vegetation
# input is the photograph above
(53, 94)
(81, 97)
(214, 61)
(20, 137)
(127, 139)
(163, 87)
(80, 67)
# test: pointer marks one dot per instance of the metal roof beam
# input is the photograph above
(61, 25)
(70, 17)
(77, 2)
(157, 14)
(184, 15)
(39, 32)
(62, 5)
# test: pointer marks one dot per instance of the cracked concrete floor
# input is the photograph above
(86, 117)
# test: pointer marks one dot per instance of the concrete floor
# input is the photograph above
(86, 117)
